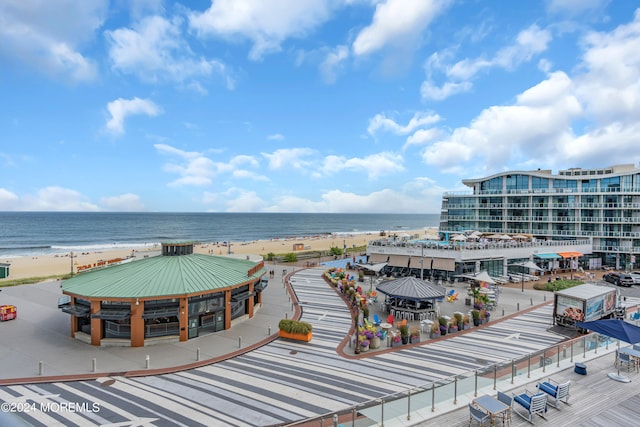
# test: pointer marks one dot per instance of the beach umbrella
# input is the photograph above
(614, 328)
(505, 237)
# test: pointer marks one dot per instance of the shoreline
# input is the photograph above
(43, 265)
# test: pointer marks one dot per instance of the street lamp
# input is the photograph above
(356, 318)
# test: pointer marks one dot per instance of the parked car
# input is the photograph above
(636, 277)
(618, 279)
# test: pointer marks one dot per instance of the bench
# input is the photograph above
(532, 405)
(556, 392)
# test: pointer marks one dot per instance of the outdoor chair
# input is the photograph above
(623, 359)
(507, 400)
(556, 392)
(479, 416)
(529, 404)
(376, 320)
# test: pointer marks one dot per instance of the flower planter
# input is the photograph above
(375, 342)
(296, 337)
(405, 340)
(415, 339)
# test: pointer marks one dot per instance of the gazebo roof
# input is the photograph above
(163, 276)
(412, 288)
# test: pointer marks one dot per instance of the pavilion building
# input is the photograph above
(172, 297)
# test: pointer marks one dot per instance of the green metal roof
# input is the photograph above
(162, 276)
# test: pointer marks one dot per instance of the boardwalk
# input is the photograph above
(285, 381)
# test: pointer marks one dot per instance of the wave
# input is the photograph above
(18, 248)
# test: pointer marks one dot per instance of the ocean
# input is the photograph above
(36, 233)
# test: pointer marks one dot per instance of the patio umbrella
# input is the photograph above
(614, 328)
(481, 276)
(459, 238)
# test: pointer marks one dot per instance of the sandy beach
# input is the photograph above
(59, 264)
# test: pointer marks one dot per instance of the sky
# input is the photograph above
(354, 106)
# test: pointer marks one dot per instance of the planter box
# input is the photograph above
(296, 337)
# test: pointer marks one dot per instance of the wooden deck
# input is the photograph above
(595, 401)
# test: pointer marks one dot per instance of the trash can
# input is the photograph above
(467, 301)
(580, 368)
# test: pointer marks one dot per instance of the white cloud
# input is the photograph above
(47, 35)
(534, 127)
(429, 91)
(529, 43)
(121, 108)
(193, 168)
(57, 199)
(610, 87)
(332, 64)
(155, 50)
(123, 203)
(382, 122)
(395, 22)
(375, 165)
(235, 200)
(275, 137)
(9, 200)
(289, 158)
(266, 24)
(421, 137)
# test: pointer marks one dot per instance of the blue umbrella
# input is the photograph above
(614, 328)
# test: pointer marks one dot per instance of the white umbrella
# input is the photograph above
(505, 237)
(459, 238)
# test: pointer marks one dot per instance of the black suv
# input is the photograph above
(619, 279)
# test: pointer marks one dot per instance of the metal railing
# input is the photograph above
(458, 390)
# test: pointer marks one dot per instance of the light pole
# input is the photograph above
(71, 257)
(356, 318)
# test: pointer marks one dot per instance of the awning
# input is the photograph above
(112, 315)
(570, 254)
(547, 256)
(376, 258)
(445, 264)
(242, 296)
(162, 312)
(398, 261)
(75, 310)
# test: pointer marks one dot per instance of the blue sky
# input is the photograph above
(305, 105)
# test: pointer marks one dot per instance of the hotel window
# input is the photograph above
(565, 183)
(517, 182)
(589, 185)
(493, 185)
(610, 183)
(538, 183)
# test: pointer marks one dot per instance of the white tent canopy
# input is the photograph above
(481, 276)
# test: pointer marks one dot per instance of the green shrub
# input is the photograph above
(335, 251)
(290, 257)
(294, 326)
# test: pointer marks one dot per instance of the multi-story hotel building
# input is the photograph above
(598, 204)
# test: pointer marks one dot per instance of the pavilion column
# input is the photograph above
(227, 309)
(74, 321)
(183, 318)
(137, 323)
(96, 324)
(250, 301)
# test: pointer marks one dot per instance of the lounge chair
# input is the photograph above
(529, 404)
(507, 400)
(556, 392)
(376, 320)
(479, 416)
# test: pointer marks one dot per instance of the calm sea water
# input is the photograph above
(32, 233)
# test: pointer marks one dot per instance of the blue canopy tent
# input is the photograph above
(614, 328)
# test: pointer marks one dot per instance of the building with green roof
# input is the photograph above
(176, 296)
